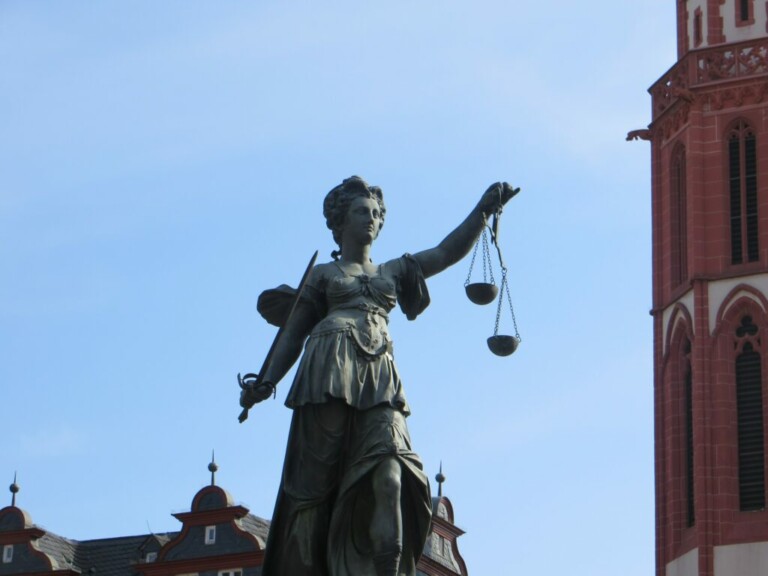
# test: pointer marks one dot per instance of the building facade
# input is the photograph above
(217, 538)
(709, 147)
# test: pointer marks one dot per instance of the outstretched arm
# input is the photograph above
(459, 242)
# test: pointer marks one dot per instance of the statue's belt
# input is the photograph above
(367, 331)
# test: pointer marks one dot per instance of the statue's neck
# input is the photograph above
(356, 254)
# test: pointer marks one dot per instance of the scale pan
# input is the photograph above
(503, 345)
(481, 292)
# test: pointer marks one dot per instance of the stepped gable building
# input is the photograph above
(217, 538)
(709, 158)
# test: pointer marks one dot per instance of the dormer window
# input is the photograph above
(150, 557)
(210, 534)
(237, 572)
(7, 553)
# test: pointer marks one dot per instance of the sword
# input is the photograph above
(251, 380)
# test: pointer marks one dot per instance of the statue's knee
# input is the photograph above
(387, 478)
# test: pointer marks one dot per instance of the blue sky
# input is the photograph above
(161, 163)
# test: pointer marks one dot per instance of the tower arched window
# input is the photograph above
(742, 184)
(698, 36)
(749, 410)
(678, 216)
(744, 12)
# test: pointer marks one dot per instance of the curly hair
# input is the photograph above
(337, 202)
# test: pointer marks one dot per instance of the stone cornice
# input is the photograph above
(745, 61)
(197, 565)
(21, 536)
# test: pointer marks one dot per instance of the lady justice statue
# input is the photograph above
(353, 499)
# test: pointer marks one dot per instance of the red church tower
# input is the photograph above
(709, 142)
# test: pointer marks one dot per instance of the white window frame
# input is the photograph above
(231, 572)
(210, 534)
(7, 553)
(150, 557)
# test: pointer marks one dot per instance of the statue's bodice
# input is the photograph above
(348, 355)
(359, 304)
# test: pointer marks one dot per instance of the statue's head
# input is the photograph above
(337, 203)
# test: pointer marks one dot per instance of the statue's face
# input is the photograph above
(363, 221)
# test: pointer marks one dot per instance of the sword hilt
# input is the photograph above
(248, 384)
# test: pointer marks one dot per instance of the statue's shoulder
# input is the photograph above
(324, 267)
(321, 272)
(396, 267)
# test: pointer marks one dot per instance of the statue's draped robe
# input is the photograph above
(349, 415)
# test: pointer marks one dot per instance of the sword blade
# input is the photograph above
(271, 352)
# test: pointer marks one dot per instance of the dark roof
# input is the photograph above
(60, 550)
(256, 526)
(109, 556)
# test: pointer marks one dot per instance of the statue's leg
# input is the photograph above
(297, 543)
(387, 521)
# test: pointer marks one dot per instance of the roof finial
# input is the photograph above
(440, 479)
(14, 488)
(212, 467)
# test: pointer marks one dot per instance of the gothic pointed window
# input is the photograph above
(690, 509)
(680, 429)
(749, 413)
(678, 218)
(742, 187)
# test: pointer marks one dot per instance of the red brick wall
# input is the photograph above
(697, 112)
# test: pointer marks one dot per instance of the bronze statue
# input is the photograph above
(353, 500)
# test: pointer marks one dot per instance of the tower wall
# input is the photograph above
(709, 146)
(707, 23)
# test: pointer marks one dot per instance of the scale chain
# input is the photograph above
(472, 264)
(505, 288)
(487, 256)
(498, 308)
